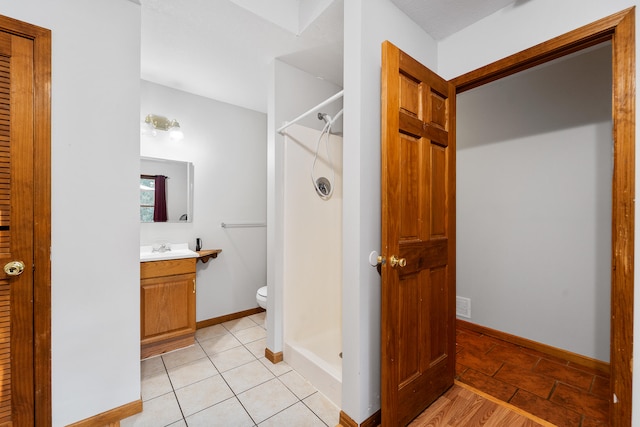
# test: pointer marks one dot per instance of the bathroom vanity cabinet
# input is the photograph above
(167, 305)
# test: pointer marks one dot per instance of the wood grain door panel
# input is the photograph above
(168, 307)
(418, 214)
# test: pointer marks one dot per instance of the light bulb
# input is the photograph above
(175, 132)
(147, 129)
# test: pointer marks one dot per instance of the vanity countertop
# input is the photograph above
(169, 251)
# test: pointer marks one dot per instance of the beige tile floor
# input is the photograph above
(224, 380)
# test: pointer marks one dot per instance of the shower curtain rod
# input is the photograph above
(316, 108)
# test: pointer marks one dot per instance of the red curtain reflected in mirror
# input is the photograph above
(160, 205)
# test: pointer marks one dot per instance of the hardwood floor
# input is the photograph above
(555, 390)
(502, 384)
(461, 406)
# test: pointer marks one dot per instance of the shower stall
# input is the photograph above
(313, 257)
(304, 239)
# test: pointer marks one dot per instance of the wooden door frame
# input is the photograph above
(41, 38)
(620, 30)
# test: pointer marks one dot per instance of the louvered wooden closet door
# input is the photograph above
(5, 241)
(16, 229)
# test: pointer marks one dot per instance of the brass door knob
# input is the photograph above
(400, 262)
(14, 268)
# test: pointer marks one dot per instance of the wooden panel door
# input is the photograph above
(418, 236)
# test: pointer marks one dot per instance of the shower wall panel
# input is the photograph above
(313, 239)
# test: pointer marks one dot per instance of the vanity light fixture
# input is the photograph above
(154, 122)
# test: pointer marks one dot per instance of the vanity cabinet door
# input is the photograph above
(168, 307)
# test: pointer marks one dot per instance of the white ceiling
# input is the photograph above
(222, 49)
(441, 18)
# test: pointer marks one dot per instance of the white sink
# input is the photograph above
(177, 251)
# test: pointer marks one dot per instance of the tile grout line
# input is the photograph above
(553, 389)
(208, 407)
(592, 385)
(311, 409)
(208, 356)
(282, 410)
(299, 400)
(274, 374)
(173, 391)
(235, 395)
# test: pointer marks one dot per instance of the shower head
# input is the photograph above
(325, 117)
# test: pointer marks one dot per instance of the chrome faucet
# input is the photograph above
(163, 247)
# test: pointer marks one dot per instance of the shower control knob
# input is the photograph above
(400, 262)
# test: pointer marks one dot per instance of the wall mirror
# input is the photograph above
(166, 190)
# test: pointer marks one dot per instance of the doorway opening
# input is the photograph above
(534, 162)
(619, 29)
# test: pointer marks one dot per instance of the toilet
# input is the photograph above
(261, 297)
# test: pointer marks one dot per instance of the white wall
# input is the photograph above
(534, 203)
(292, 93)
(227, 146)
(367, 24)
(519, 27)
(95, 271)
